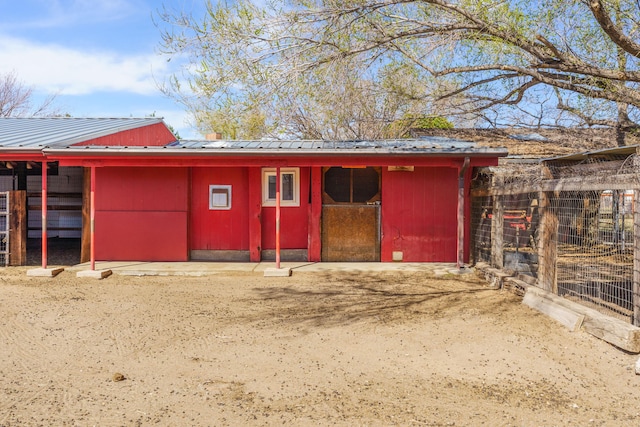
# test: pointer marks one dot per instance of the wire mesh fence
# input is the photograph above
(589, 236)
(481, 217)
(595, 249)
(520, 223)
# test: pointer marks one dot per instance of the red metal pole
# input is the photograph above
(44, 215)
(92, 215)
(278, 217)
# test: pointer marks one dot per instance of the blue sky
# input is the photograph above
(99, 57)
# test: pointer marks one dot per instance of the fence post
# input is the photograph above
(497, 232)
(547, 243)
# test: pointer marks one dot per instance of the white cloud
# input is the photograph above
(57, 69)
(63, 13)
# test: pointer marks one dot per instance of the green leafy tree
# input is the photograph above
(544, 62)
(238, 89)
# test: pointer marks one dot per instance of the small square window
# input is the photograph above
(219, 197)
(289, 187)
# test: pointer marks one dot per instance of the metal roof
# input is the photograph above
(59, 135)
(430, 143)
(609, 152)
(36, 133)
(424, 146)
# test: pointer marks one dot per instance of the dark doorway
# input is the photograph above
(351, 214)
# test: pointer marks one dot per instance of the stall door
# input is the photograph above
(351, 214)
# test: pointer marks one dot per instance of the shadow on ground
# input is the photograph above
(383, 298)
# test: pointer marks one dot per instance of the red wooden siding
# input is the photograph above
(141, 214)
(315, 216)
(219, 229)
(294, 222)
(419, 214)
(152, 135)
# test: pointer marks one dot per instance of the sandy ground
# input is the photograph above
(390, 349)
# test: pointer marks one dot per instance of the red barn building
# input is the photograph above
(159, 199)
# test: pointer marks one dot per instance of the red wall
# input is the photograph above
(419, 214)
(141, 214)
(151, 135)
(294, 221)
(219, 229)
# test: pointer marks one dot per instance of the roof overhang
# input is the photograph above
(171, 156)
(21, 155)
(221, 152)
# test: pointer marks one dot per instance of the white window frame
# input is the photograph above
(266, 173)
(218, 207)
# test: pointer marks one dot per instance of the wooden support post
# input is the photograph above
(497, 232)
(314, 249)
(461, 209)
(547, 243)
(255, 214)
(636, 257)
(17, 228)
(44, 215)
(278, 217)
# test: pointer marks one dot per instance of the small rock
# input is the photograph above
(638, 367)
(118, 377)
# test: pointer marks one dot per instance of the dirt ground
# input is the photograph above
(387, 349)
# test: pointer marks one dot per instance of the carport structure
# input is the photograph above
(22, 160)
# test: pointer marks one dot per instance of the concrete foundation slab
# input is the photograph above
(45, 272)
(94, 274)
(194, 268)
(277, 272)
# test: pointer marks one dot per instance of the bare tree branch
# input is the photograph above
(16, 99)
(615, 33)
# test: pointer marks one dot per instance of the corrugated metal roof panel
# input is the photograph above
(35, 133)
(420, 144)
(60, 134)
(253, 149)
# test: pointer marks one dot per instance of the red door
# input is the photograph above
(419, 215)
